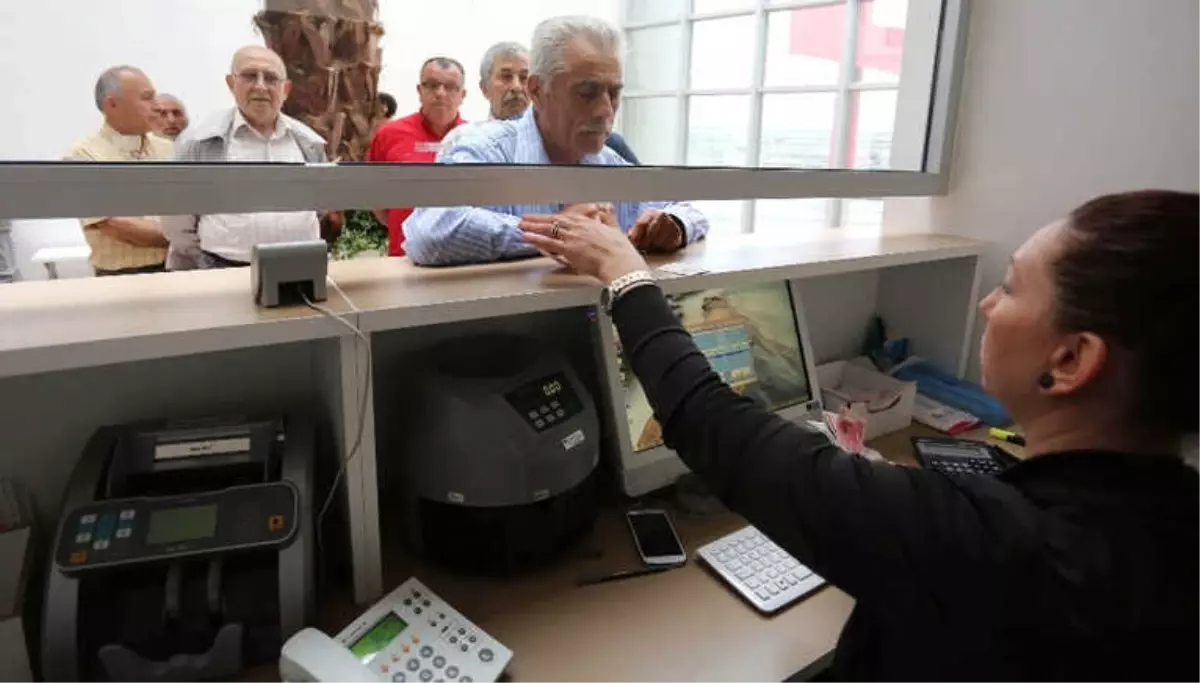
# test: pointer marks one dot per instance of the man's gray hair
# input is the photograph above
(552, 36)
(110, 82)
(501, 49)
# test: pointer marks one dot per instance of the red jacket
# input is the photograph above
(407, 141)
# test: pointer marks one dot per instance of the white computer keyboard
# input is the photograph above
(760, 570)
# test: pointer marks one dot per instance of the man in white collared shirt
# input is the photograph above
(256, 131)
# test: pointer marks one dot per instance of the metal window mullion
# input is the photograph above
(681, 89)
(871, 87)
(723, 14)
(757, 82)
(841, 120)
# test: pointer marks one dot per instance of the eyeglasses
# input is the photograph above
(251, 77)
(450, 88)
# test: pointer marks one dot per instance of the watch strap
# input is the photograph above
(627, 282)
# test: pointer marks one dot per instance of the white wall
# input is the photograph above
(1063, 100)
(51, 52)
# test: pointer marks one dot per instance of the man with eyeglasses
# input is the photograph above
(415, 139)
(254, 131)
(575, 87)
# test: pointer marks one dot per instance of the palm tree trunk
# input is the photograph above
(331, 51)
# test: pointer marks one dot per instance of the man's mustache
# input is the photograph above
(514, 98)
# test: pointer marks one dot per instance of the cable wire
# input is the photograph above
(356, 445)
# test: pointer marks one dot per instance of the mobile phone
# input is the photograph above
(655, 537)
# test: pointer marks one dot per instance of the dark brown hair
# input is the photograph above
(1129, 274)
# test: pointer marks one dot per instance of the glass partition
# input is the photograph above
(706, 82)
(770, 116)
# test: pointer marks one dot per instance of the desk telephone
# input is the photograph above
(410, 635)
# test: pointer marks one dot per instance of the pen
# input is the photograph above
(1005, 435)
(627, 574)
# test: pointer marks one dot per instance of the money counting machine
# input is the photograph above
(184, 551)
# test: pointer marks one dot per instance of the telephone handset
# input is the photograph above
(313, 656)
(410, 635)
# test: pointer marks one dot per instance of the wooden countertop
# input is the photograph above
(680, 625)
(62, 324)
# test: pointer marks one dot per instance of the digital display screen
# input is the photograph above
(174, 525)
(377, 637)
(750, 338)
(654, 535)
(952, 451)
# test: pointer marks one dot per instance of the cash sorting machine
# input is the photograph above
(184, 551)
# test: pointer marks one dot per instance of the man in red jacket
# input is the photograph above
(415, 139)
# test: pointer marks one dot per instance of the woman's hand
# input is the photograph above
(586, 244)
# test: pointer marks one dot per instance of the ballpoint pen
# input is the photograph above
(627, 574)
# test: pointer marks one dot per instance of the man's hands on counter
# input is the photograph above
(586, 244)
(657, 231)
(601, 211)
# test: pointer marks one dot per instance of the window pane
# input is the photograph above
(717, 129)
(649, 125)
(654, 58)
(880, 46)
(722, 53)
(873, 117)
(724, 217)
(797, 130)
(790, 216)
(642, 11)
(805, 46)
(713, 6)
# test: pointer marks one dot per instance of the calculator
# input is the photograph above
(961, 457)
(762, 572)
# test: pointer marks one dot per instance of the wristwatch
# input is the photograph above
(622, 285)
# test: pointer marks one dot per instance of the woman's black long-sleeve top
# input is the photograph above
(1067, 566)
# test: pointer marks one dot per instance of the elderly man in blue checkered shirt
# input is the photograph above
(575, 86)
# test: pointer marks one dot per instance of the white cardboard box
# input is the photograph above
(889, 401)
(15, 555)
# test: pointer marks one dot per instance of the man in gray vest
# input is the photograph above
(255, 131)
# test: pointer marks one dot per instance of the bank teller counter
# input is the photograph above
(923, 285)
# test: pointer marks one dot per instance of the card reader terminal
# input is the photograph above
(410, 635)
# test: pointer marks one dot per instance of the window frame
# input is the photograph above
(32, 190)
(844, 89)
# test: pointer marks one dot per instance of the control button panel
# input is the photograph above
(132, 530)
(546, 402)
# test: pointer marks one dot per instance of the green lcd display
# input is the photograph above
(175, 525)
(377, 637)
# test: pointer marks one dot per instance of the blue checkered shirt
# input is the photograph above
(468, 234)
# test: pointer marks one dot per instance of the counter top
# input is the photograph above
(62, 324)
(393, 293)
